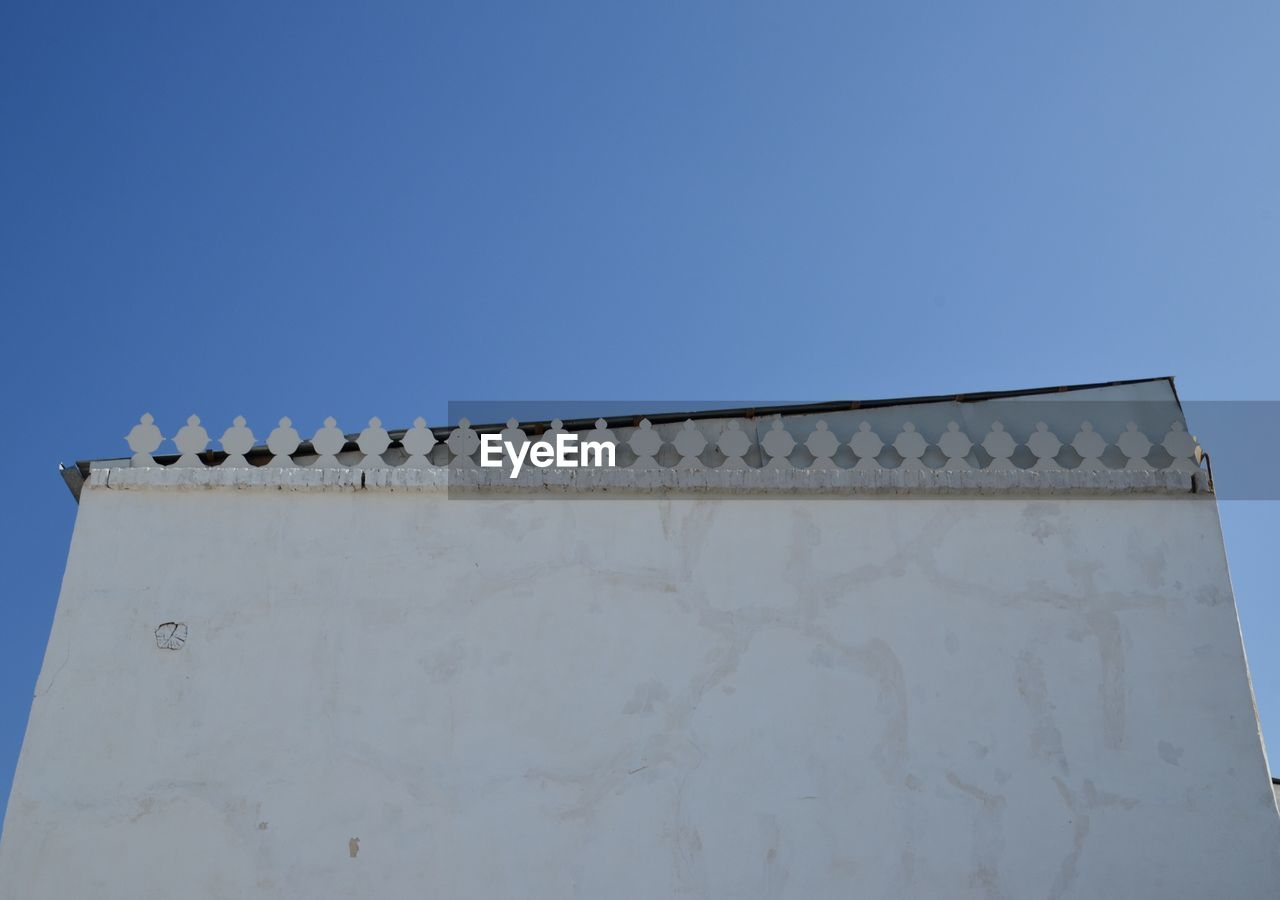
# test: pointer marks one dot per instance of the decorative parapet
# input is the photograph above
(778, 454)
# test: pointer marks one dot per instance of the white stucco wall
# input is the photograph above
(631, 698)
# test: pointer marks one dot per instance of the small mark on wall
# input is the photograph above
(353, 847)
(646, 697)
(1169, 753)
(171, 635)
(262, 826)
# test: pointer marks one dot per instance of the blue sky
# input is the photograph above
(330, 209)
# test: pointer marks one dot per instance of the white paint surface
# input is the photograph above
(642, 698)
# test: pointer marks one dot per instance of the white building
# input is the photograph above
(771, 653)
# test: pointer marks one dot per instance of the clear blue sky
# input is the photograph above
(341, 209)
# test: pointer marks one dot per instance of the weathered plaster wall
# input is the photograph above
(401, 695)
